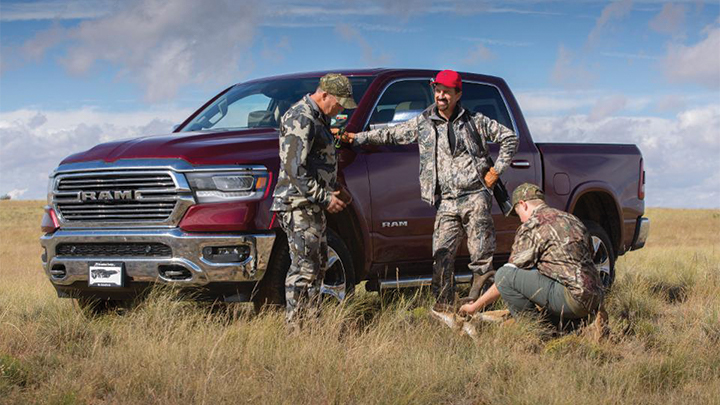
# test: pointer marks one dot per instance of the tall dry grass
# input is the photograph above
(664, 346)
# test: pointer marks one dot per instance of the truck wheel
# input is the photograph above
(603, 254)
(339, 279)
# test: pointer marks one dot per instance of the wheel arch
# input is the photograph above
(596, 202)
(347, 225)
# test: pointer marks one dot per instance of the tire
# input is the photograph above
(339, 281)
(603, 253)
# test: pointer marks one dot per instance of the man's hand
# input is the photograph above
(491, 177)
(466, 309)
(347, 137)
(336, 204)
(344, 195)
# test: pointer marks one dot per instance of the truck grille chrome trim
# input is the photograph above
(108, 198)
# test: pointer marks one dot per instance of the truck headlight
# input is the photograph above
(210, 187)
(50, 190)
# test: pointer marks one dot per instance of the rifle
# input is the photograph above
(499, 190)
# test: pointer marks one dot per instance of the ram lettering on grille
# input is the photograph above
(110, 195)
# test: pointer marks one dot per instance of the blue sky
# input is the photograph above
(76, 73)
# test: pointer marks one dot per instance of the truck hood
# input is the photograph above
(197, 148)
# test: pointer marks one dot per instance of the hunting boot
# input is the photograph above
(478, 282)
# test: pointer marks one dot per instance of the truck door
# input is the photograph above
(402, 224)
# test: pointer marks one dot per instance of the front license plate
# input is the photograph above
(106, 274)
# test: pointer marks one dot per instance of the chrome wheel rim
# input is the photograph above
(601, 259)
(334, 282)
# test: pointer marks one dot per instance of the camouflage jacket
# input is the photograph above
(559, 246)
(308, 160)
(425, 130)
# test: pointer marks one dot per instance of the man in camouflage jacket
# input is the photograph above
(550, 264)
(455, 176)
(307, 186)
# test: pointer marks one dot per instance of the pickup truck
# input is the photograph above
(191, 208)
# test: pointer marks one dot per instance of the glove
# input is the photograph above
(491, 177)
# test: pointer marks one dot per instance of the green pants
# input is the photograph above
(523, 289)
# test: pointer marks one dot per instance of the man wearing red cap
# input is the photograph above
(451, 140)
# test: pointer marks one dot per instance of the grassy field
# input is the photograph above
(664, 345)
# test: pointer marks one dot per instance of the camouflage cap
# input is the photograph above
(339, 86)
(526, 192)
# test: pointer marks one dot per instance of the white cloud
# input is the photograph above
(36, 47)
(16, 193)
(369, 56)
(670, 20)
(54, 10)
(569, 72)
(34, 142)
(671, 103)
(488, 41)
(547, 102)
(699, 63)
(275, 52)
(606, 107)
(616, 10)
(630, 56)
(682, 154)
(479, 53)
(162, 45)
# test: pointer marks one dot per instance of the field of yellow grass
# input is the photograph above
(664, 346)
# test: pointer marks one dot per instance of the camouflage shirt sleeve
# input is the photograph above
(525, 250)
(498, 133)
(296, 144)
(401, 134)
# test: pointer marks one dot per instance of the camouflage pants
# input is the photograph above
(467, 215)
(307, 239)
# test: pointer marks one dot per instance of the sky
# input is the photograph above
(77, 73)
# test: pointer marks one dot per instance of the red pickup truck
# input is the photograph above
(192, 208)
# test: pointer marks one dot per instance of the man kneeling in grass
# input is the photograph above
(550, 266)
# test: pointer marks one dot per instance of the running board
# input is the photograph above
(408, 282)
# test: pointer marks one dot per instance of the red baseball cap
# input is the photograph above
(449, 78)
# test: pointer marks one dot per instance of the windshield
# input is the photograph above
(261, 104)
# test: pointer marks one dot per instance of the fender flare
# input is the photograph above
(600, 187)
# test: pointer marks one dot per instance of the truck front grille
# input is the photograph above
(112, 197)
(113, 250)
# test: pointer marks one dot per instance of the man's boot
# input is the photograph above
(478, 281)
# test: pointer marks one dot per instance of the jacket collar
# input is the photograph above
(435, 115)
(316, 110)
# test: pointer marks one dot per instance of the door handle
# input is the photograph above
(521, 164)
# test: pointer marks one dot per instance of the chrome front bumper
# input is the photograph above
(642, 230)
(187, 252)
